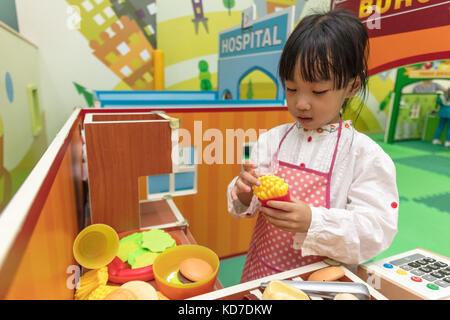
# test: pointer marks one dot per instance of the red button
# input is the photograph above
(302, 165)
(394, 205)
(416, 279)
(309, 139)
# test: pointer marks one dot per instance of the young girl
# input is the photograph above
(344, 198)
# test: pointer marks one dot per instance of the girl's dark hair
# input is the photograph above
(327, 46)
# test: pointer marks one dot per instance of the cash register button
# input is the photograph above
(442, 284)
(402, 272)
(421, 262)
(416, 279)
(417, 272)
(388, 265)
(438, 274)
(440, 264)
(432, 286)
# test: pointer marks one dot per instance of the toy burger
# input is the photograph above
(271, 188)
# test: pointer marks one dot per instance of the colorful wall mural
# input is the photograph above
(122, 36)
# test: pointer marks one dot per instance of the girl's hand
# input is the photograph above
(292, 216)
(243, 187)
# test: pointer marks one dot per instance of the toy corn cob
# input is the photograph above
(90, 281)
(101, 292)
(271, 188)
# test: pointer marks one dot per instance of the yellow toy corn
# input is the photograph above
(90, 281)
(101, 292)
(270, 187)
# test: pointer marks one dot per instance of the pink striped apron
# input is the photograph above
(273, 250)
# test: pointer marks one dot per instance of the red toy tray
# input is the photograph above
(121, 272)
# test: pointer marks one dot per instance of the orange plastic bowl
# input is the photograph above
(169, 261)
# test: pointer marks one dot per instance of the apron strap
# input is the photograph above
(335, 149)
(275, 156)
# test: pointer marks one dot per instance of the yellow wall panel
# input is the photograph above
(42, 270)
(206, 211)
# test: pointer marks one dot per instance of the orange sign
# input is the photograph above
(402, 32)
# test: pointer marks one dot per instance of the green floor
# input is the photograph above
(423, 179)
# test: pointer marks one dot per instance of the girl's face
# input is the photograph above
(315, 104)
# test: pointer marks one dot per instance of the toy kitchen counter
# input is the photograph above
(42, 220)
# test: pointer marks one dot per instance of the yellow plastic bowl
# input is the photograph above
(96, 246)
(169, 261)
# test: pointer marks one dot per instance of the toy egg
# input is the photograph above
(142, 290)
(121, 294)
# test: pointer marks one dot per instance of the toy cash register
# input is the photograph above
(415, 274)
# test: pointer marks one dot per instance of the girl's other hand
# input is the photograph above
(292, 216)
(243, 187)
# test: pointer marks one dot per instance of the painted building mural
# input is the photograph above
(122, 35)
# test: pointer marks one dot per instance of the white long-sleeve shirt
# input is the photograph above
(363, 214)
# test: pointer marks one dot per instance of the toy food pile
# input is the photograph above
(93, 287)
(140, 249)
(191, 270)
(270, 187)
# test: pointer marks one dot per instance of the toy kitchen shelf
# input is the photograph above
(121, 148)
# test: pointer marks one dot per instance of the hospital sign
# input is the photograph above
(265, 35)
